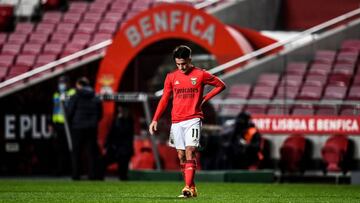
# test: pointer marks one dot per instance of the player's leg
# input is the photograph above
(192, 138)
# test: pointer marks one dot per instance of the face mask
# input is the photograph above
(62, 87)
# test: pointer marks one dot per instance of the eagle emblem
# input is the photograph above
(193, 81)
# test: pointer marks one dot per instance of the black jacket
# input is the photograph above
(84, 109)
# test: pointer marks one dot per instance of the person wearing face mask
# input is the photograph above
(119, 142)
(60, 100)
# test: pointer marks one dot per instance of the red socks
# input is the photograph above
(189, 172)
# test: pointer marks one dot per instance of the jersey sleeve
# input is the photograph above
(210, 79)
(164, 98)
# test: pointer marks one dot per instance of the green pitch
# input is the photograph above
(116, 191)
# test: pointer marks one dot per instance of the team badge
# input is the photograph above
(193, 81)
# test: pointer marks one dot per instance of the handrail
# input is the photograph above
(205, 4)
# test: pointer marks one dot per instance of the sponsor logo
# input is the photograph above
(177, 82)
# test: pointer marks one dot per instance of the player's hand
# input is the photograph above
(153, 127)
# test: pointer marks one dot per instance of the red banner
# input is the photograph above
(308, 124)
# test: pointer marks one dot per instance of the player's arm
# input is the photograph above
(214, 81)
(162, 105)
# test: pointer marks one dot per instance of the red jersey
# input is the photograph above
(187, 91)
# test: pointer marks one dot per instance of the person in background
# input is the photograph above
(60, 101)
(245, 142)
(84, 112)
(119, 142)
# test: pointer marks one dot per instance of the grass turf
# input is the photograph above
(16, 190)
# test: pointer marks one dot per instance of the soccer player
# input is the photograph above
(186, 85)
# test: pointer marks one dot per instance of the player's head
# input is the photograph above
(182, 57)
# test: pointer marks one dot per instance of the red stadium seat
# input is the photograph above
(45, 27)
(17, 38)
(262, 92)
(310, 93)
(239, 91)
(92, 17)
(86, 28)
(60, 38)
(295, 153)
(11, 49)
(66, 28)
(320, 69)
(339, 79)
(107, 28)
(279, 110)
(270, 79)
(287, 92)
(303, 111)
(315, 80)
(78, 7)
(337, 153)
(113, 17)
(347, 57)
(52, 17)
(53, 48)
(296, 68)
(27, 60)
(352, 45)
(356, 79)
(335, 92)
(291, 80)
(3, 38)
(343, 69)
(231, 110)
(72, 17)
(6, 60)
(256, 109)
(38, 37)
(45, 59)
(32, 49)
(354, 93)
(325, 56)
(24, 27)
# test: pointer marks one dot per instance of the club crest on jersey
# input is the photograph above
(193, 81)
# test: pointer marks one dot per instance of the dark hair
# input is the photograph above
(182, 52)
(83, 81)
(63, 79)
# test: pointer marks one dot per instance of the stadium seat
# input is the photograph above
(262, 92)
(17, 38)
(38, 37)
(239, 91)
(296, 68)
(24, 27)
(303, 110)
(325, 56)
(107, 28)
(52, 17)
(256, 109)
(291, 80)
(72, 17)
(310, 93)
(27, 60)
(143, 157)
(315, 80)
(45, 59)
(319, 69)
(279, 110)
(350, 111)
(352, 45)
(78, 7)
(335, 92)
(113, 17)
(60, 38)
(3, 38)
(6, 60)
(295, 154)
(45, 27)
(354, 93)
(286, 92)
(92, 17)
(270, 79)
(337, 154)
(231, 110)
(339, 79)
(343, 69)
(66, 28)
(32, 49)
(11, 49)
(53, 48)
(347, 57)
